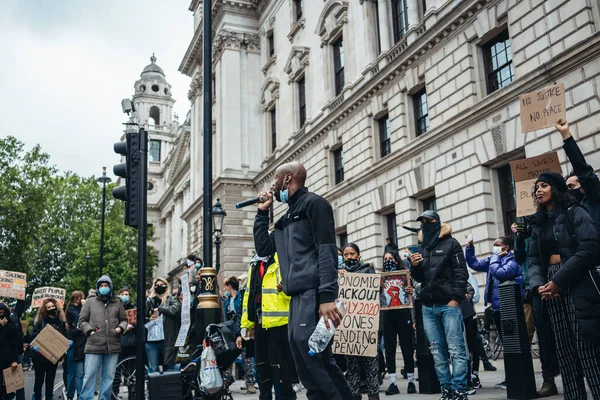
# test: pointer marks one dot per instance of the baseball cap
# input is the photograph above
(429, 214)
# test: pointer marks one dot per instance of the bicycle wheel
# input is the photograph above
(124, 382)
(498, 347)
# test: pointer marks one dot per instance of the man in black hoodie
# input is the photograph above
(304, 239)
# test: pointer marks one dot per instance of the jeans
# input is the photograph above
(444, 330)
(75, 374)
(154, 351)
(93, 362)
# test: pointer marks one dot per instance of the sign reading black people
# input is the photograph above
(13, 284)
(42, 293)
(393, 290)
(525, 173)
(357, 334)
(542, 108)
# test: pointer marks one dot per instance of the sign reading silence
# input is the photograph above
(13, 284)
(542, 108)
(525, 173)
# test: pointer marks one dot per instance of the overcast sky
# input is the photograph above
(66, 64)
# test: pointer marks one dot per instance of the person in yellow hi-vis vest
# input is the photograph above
(265, 310)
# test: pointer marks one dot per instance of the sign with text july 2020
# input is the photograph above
(525, 173)
(42, 293)
(542, 108)
(357, 334)
(13, 284)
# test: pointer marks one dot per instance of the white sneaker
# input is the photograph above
(297, 387)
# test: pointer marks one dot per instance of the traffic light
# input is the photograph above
(130, 149)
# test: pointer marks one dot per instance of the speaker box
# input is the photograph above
(165, 385)
(520, 377)
(428, 381)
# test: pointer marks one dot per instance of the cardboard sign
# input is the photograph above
(40, 294)
(13, 284)
(185, 311)
(51, 344)
(542, 108)
(358, 333)
(393, 290)
(14, 380)
(131, 316)
(525, 173)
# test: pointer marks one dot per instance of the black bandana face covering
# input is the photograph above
(431, 232)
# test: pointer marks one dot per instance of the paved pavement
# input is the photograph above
(58, 384)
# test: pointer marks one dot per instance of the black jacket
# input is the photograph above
(304, 239)
(578, 245)
(78, 338)
(361, 268)
(9, 341)
(588, 179)
(56, 323)
(443, 272)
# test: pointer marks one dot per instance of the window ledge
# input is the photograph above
(269, 64)
(296, 27)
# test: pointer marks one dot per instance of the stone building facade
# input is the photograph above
(394, 106)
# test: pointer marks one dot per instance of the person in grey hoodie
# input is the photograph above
(103, 321)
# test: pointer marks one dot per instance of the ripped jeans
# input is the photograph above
(444, 330)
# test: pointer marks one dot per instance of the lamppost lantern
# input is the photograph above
(218, 215)
(87, 271)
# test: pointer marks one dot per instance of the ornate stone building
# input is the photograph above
(394, 106)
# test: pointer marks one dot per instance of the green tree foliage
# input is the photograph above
(49, 221)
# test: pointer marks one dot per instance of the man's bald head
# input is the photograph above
(296, 170)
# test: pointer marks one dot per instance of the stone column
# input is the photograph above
(385, 32)
(168, 242)
(413, 13)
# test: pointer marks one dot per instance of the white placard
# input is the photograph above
(185, 311)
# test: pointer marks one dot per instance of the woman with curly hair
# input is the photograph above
(49, 313)
(563, 252)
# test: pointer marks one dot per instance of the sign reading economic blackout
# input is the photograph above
(357, 334)
(13, 284)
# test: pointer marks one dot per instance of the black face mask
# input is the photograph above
(52, 313)
(389, 265)
(160, 289)
(575, 194)
(431, 232)
(2, 316)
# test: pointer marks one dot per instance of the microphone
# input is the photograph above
(249, 202)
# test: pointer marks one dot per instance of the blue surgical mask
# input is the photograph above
(283, 194)
(198, 265)
(104, 291)
(125, 299)
(340, 261)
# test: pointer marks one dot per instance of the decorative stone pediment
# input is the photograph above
(227, 39)
(296, 62)
(331, 21)
(269, 93)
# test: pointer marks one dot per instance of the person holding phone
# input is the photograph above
(441, 268)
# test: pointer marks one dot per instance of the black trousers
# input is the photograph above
(319, 374)
(45, 373)
(397, 325)
(546, 343)
(472, 344)
(271, 360)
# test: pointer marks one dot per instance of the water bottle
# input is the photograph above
(321, 337)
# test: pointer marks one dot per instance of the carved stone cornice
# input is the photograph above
(195, 88)
(227, 39)
(296, 63)
(269, 94)
(331, 21)
(297, 26)
(269, 64)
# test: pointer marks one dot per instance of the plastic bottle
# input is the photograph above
(321, 337)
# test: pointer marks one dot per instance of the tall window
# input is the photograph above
(154, 150)
(498, 62)
(507, 197)
(338, 64)
(273, 121)
(429, 203)
(338, 165)
(421, 112)
(390, 220)
(302, 101)
(271, 42)
(155, 115)
(384, 135)
(342, 239)
(400, 18)
(298, 5)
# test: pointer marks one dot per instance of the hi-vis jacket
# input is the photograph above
(275, 305)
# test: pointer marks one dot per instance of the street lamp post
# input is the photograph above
(87, 269)
(218, 215)
(103, 180)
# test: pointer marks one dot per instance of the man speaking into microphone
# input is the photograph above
(304, 239)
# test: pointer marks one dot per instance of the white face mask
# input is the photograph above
(497, 250)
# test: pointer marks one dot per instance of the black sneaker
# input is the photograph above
(471, 390)
(501, 385)
(447, 394)
(411, 388)
(489, 367)
(476, 382)
(393, 389)
(460, 395)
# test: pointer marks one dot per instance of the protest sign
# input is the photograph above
(14, 380)
(185, 311)
(13, 284)
(46, 293)
(393, 293)
(542, 108)
(156, 331)
(131, 316)
(525, 173)
(51, 344)
(357, 334)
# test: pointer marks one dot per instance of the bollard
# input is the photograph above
(209, 308)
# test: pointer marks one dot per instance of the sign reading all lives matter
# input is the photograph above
(357, 334)
(542, 108)
(525, 173)
(46, 293)
(13, 284)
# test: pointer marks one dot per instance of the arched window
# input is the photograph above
(155, 115)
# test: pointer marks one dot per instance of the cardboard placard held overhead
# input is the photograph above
(393, 290)
(13, 380)
(51, 344)
(357, 334)
(542, 108)
(525, 173)
(13, 284)
(42, 293)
